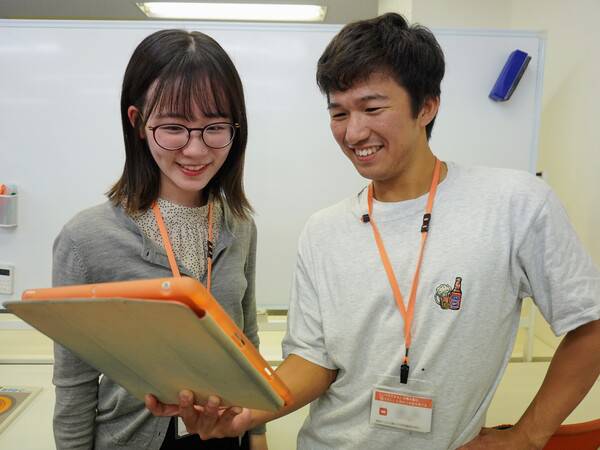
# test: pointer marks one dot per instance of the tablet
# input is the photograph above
(156, 336)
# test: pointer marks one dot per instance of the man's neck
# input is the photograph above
(412, 183)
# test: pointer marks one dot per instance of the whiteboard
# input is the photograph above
(61, 144)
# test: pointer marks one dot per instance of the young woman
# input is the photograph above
(185, 130)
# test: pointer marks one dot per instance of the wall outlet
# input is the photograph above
(6, 278)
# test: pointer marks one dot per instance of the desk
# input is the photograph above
(32, 428)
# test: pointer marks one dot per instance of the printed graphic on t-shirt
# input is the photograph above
(448, 297)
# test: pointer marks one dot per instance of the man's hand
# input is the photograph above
(208, 420)
(494, 439)
(305, 380)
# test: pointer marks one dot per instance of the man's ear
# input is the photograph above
(134, 116)
(429, 110)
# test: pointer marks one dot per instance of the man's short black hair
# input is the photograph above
(408, 53)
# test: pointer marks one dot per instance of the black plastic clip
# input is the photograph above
(365, 218)
(404, 373)
(426, 220)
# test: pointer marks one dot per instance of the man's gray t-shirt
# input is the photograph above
(502, 232)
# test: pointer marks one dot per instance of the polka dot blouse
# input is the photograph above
(188, 231)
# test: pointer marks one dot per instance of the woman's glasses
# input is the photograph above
(175, 136)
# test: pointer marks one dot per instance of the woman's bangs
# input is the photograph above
(188, 93)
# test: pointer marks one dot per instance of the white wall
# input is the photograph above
(570, 133)
(403, 7)
(461, 13)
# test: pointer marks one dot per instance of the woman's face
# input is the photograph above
(187, 171)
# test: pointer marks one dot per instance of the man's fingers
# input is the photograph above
(186, 398)
(228, 415)
(207, 428)
(160, 409)
(212, 405)
(187, 410)
(150, 401)
(209, 420)
(199, 419)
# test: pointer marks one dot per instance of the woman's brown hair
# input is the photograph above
(175, 71)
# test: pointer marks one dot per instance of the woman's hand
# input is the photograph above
(209, 420)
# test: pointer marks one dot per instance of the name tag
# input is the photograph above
(401, 409)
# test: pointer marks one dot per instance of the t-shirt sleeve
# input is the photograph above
(559, 274)
(305, 336)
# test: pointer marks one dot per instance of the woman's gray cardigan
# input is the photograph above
(103, 244)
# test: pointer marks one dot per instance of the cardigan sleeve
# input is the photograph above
(249, 303)
(76, 383)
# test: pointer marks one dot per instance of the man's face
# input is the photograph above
(373, 124)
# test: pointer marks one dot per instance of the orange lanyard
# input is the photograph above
(407, 315)
(167, 243)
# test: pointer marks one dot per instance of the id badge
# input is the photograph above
(402, 406)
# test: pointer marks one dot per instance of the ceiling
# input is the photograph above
(338, 11)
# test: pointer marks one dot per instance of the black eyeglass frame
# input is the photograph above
(234, 126)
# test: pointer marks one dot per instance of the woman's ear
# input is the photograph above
(134, 116)
(429, 110)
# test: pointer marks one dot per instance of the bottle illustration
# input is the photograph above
(456, 294)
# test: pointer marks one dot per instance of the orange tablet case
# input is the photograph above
(156, 336)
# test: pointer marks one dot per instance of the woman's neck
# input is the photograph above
(190, 199)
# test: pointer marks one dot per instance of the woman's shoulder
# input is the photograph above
(240, 227)
(98, 220)
(235, 222)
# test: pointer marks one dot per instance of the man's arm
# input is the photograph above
(305, 380)
(258, 442)
(574, 369)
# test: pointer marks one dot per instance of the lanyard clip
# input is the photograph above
(404, 368)
(426, 220)
(404, 373)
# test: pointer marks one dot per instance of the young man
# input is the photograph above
(407, 296)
